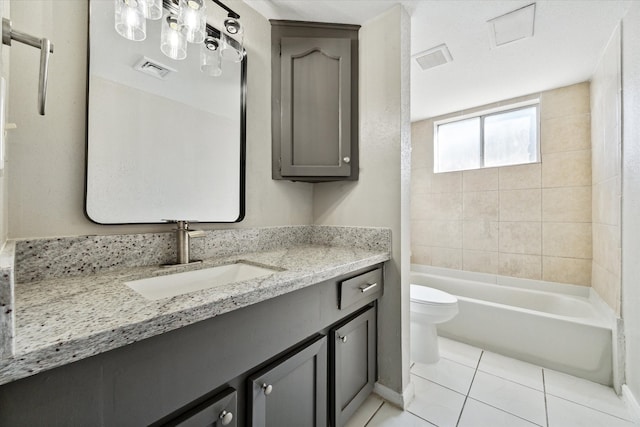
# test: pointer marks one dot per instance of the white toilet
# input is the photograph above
(428, 307)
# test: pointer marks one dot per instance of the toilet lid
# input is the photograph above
(425, 295)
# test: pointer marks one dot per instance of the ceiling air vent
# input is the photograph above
(153, 68)
(433, 57)
(512, 26)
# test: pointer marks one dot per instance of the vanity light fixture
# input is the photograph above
(184, 21)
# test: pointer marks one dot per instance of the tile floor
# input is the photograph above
(470, 387)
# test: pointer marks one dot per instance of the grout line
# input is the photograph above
(506, 412)
(544, 389)
(469, 391)
(630, 419)
(374, 414)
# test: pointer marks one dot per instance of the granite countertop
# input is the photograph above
(62, 320)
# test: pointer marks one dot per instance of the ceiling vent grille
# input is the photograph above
(433, 57)
(153, 68)
(512, 26)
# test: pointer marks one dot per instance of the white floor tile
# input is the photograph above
(477, 414)
(511, 369)
(390, 416)
(563, 413)
(511, 397)
(365, 412)
(459, 352)
(435, 403)
(447, 373)
(584, 392)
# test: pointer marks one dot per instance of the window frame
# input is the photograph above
(482, 115)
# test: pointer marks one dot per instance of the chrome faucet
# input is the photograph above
(183, 239)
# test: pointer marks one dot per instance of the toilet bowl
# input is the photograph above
(428, 307)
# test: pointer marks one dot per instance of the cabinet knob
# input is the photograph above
(267, 388)
(347, 159)
(225, 418)
(343, 339)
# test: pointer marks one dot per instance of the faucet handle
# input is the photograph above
(197, 233)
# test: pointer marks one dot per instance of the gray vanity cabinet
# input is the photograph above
(219, 411)
(353, 365)
(315, 103)
(293, 391)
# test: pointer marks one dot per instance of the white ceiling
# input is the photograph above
(569, 37)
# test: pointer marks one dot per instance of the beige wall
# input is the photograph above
(531, 221)
(631, 195)
(380, 196)
(606, 147)
(46, 155)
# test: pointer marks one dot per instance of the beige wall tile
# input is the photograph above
(480, 235)
(480, 180)
(566, 204)
(521, 205)
(445, 234)
(606, 247)
(442, 206)
(521, 238)
(524, 266)
(607, 201)
(569, 133)
(566, 270)
(480, 205)
(567, 169)
(607, 285)
(446, 258)
(420, 181)
(481, 261)
(448, 182)
(421, 254)
(422, 144)
(565, 101)
(566, 239)
(521, 176)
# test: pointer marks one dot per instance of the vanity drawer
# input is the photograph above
(361, 289)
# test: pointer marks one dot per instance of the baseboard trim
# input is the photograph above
(632, 402)
(401, 400)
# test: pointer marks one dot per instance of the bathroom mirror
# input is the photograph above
(166, 147)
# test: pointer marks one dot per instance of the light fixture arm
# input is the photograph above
(172, 6)
(46, 48)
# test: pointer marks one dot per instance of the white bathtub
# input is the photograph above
(556, 326)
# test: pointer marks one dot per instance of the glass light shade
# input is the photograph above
(192, 15)
(152, 9)
(129, 19)
(232, 50)
(173, 42)
(210, 59)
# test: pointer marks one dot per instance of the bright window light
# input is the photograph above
(489, 139)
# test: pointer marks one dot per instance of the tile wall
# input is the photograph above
(607, 151)
(531, 221)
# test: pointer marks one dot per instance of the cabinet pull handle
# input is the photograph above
(347, 160)
(367, 287)
(343, 338)
(225, 418)
(267, 388)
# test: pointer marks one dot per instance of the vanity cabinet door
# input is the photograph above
(315, 101)
(218, 411)
(353, 367)
(292, 392)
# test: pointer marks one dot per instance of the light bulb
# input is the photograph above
(173, 42)
(192, 16)
(129, 19)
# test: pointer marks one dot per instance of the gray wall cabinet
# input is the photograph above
(315, 101)
(190, 376)
(353, 365)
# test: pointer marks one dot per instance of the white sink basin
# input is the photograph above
(170, 285)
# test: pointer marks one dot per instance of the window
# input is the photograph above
(489, 139)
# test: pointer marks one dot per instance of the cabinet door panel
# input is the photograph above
(292, 392)
(354, 365)
(315, 106)
(219, 411)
